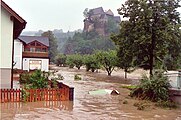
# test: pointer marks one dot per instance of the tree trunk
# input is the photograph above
(125, 74)
(109, 73)
(153, 39)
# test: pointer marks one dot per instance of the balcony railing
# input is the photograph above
(35, 54)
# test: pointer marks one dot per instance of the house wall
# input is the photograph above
(6, 46)
(18, 47)
(44, 63)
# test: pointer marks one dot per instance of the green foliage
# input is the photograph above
(78, 60)
(91, 62)
(111, 26)
(77, 77)
(70, 61)
(54, 83)
(166, 104)
(35, 80)
(172, 62)
(87, 43)
(52, 45)
(130, 87)
(39, 79)
(24, 78)
(107, 59)
(140, 105)
(60, 60)
(150, 33)
(74, 60)
(125, 49)
(25, 94)
(154, 88)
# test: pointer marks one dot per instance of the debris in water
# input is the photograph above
(104, 92)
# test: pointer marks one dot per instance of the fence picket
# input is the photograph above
(31, 95)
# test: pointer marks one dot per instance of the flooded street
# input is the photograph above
(86, 106)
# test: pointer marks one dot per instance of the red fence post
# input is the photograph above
(71, 93)
(0, 95)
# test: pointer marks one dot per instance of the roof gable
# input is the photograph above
(35, 41)
(98, 10)
(29, 39)
(109, 12)
(19, 22)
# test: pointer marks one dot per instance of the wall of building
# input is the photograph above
(6, 43)
(44, 63)
(18, 47)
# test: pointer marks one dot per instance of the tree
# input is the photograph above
(74, 60)
(111, 26)
(78, 60)
(107, 59)
(52, 45)
(70, 61)
(152, 29)
(91, 62)
(60, 60)
(125, 48)
(84, 44)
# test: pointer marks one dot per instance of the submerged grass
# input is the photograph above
(130, 87)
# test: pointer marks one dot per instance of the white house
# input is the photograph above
(11, 27)
(31, 52)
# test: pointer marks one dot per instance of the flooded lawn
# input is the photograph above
(86, 106)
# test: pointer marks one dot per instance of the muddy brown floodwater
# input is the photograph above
(86, 106)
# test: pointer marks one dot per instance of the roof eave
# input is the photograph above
(19, 22)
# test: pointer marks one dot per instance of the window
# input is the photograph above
(35, 64)
(27, 49)
(38, 49)
(44, 50)
(32, 49)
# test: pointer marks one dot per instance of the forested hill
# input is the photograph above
(87, 43)
(77, 41)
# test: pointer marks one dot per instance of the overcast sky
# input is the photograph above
(58, 14)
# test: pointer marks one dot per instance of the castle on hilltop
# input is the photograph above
(97, 20)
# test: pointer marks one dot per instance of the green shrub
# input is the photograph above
(24, 78)
(39, 79)
(141, 105)
(77, 77)
(130, 87)
(54, 83)
(166, 104)
(154, 88)
(35, 80)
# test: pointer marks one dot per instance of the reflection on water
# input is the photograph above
(61, 105)
(20, 110)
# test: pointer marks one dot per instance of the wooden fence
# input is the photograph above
(63, 93)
